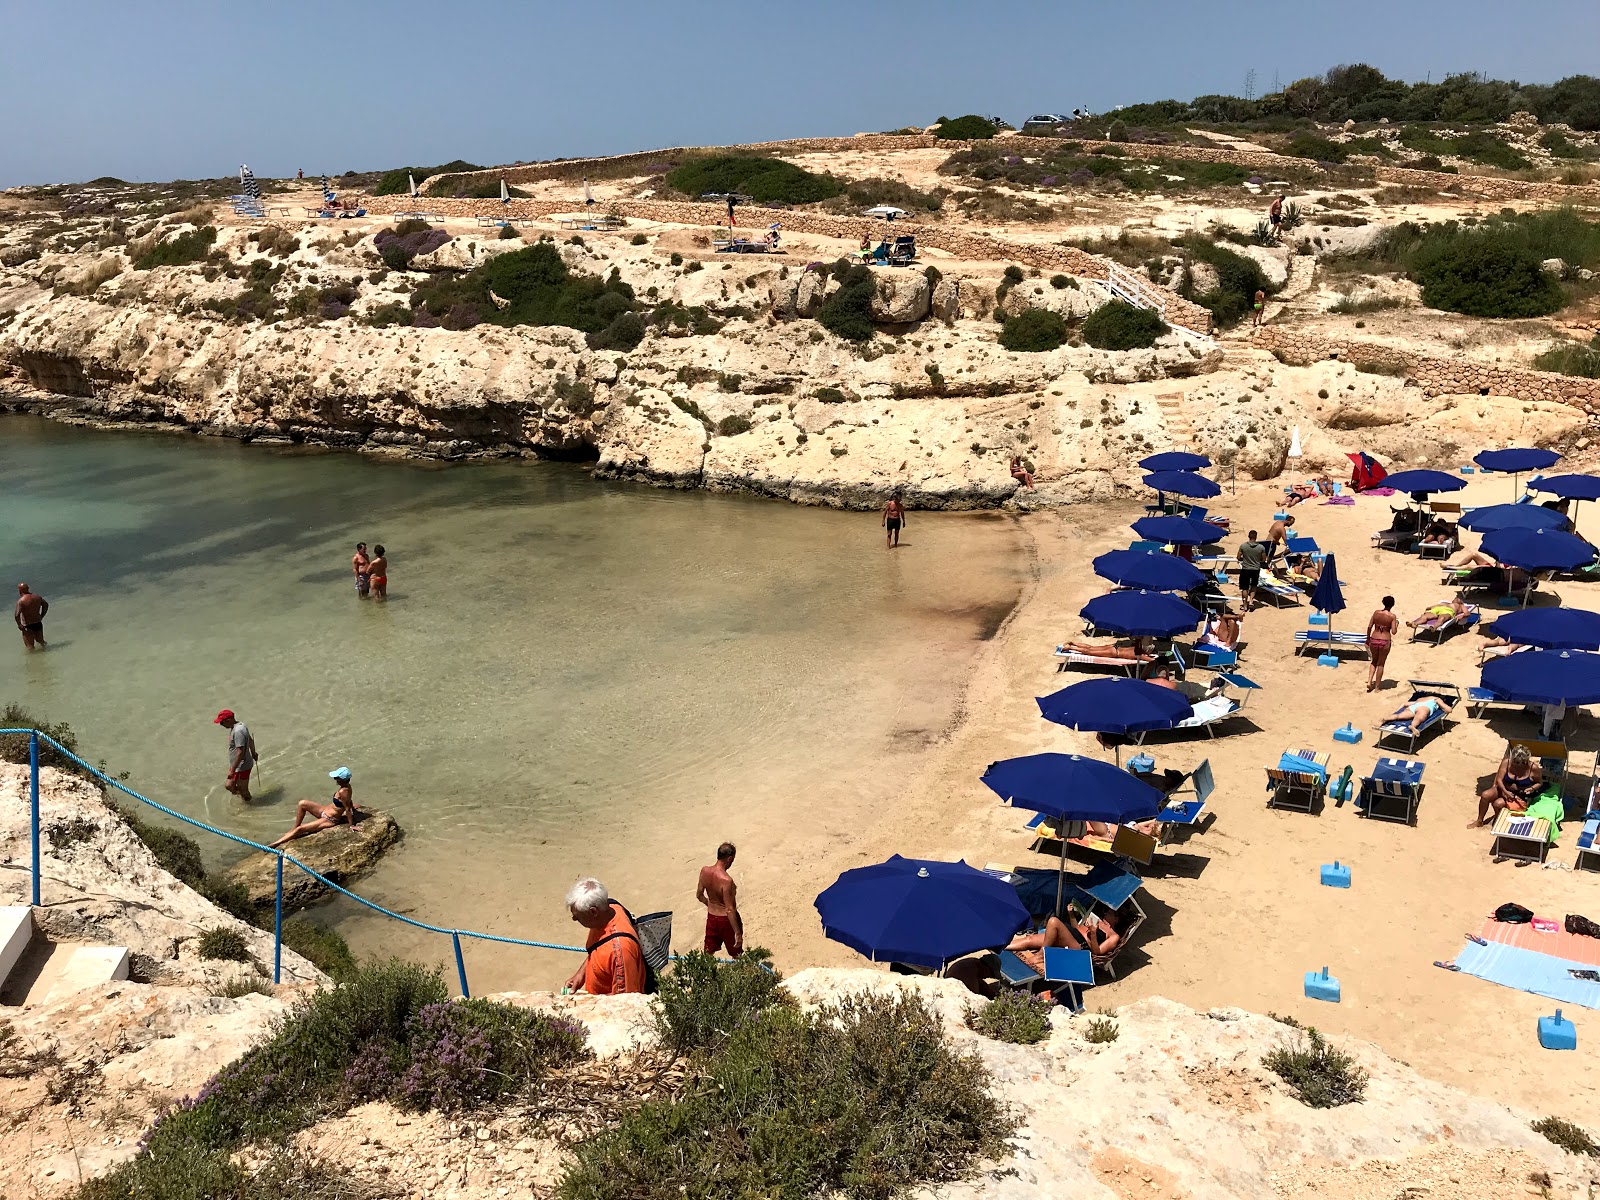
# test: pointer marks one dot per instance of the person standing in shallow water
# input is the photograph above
(29, 616)
(717, 891)
(362, 565)
(894, 516)
(378, 574)
(241, 753)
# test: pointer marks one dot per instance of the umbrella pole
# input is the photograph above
(1061, 875)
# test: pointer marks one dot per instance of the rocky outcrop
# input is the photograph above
(341, 855)
(902, 296)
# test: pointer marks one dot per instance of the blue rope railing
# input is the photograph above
(455, 935)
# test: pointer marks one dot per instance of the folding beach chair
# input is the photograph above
(1442, 549)
(1108, 892)
(1294, 784)
(1211, 705)
(1551, 757)
(1455, 624)
(1066, 972)
(1280, 591)
(1329, 641)
(1186, 803)
(1401, 730)
(1392, 792)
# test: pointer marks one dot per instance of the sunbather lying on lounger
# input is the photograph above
(1417, 713)
(1516, 783)
(1471, 558)
(1499, 648)
(1301, 568)
(1438, 533)
(1222, 632)
(1140, 651)
(1098, 935)
(1439, 614)
(1300, 492)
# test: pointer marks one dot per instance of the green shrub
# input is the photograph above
(386, 315)
(1571, 358)
(830, 395)
(322, 948)
(1320, 1075)
(1571, 1138)
(1034, 330)
(1121, 326)
(540, 291)
(1101, 1031)
(864, 1097)
(275, 240)
(1118, 132)
(1350, 306)
(393, 183)
(14, 746)
(638, 239)
(764, 180)
(733, 425)
(508, 232)
(869, 193)
(847, 312)
(191, 246)
(1063, 281)
(703, 1002)
(225, 944)
(1483, 275)
(1560, 146)
(1238, 280)
(1013, 1016)
(970, 128)
(1490, 150)
(1310, 145)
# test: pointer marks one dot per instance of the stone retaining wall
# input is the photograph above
(972, 247)
(1437, 376)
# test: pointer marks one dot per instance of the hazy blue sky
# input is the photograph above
(172, 89)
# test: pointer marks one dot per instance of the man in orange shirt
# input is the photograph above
(615, 960)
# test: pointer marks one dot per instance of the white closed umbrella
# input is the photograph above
(588, 197)
(505, 196)
(1294, 443)
(411, 182)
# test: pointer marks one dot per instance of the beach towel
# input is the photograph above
(1303, 766)
(1550, 807)
(1339, 500)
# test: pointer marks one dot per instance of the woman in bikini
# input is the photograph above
(1099, 937)
(340, 811)
(1380, 636)
(1140, 651)
(1439, 614)
(1515, 785)
(1020, 473)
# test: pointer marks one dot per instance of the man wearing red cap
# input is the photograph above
(241, 753)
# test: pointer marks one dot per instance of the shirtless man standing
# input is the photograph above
(362, 566)
(29, 615)
(1277, 536)
(894, 516)
(717, 891)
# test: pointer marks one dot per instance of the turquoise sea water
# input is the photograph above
(571, 676)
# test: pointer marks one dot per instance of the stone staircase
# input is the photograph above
(1175, 415)
(36, 970)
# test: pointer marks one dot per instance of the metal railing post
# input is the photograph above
(33, 807)
(461, 965)
(277, 926)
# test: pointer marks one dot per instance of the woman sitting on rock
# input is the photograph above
(342, 811)
(1020, 472)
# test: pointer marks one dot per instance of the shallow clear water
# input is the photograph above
(571, 675)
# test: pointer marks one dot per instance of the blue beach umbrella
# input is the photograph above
(1495, 517)
(1327, 596)
(1149, 570)
(1561, 677)
(1070, 787)
(1119, 706)
(1569, 487)
(1423, 481)
(1178, 531)
(1141, 614)
(920, 911)
(1174, 460)
(1183, 483)
(1514, 460)
(1538, 549)
(1551, 628)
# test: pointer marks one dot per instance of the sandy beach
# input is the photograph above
(1237, 914)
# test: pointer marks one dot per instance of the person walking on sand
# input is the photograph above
(717, 891)
(894, 516)
(378, 574)
(241, 753)
(1275, 214)
(29, 616)
(340, 811)
(362, 565)
(1380, 637)
(1260, 306)
(1252, 556)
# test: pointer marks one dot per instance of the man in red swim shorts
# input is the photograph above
(718, 892)
(241, 753)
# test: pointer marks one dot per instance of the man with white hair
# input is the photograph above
(615, 959)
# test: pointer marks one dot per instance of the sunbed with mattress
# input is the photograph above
(1400, 729)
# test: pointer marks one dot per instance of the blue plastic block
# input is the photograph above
(1317, 619)
(1322, 986)
(1279, 516)
(1327, 660)
(1335, 875)
(1555, 1033)
(1347, 733)
(1469, 470)
(1507, 602)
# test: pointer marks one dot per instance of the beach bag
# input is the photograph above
(1513, 914)
(1582, 925)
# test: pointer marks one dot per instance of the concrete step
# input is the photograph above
(52, 970)
(16, 930)
(86, 967)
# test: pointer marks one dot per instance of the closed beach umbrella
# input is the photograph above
(1149, 570)
(411, 183)
(1120, 706)
(1551, 628)
(920, 911)
(505, 194)
(1538, 549)
(1178, 531)
(1070, 787)
(1514, 460)
(1183, 483)
(1423, 481)
(1559, 677)
(1496, 517)
(1174, 460)
(1141, 614)
(1327, 596)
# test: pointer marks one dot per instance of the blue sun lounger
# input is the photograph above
(1329, 641)
(1065, 973)
(1456, 623)
(1392, 792)
(1278, 590)
(1400, 730)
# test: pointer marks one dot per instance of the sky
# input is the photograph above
(165, 89)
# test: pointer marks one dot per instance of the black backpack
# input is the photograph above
(654, 939)
(1513, 914)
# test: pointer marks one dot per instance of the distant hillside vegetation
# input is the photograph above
(765, 180)
(392, 183)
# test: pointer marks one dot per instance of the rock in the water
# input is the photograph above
(341, 854)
